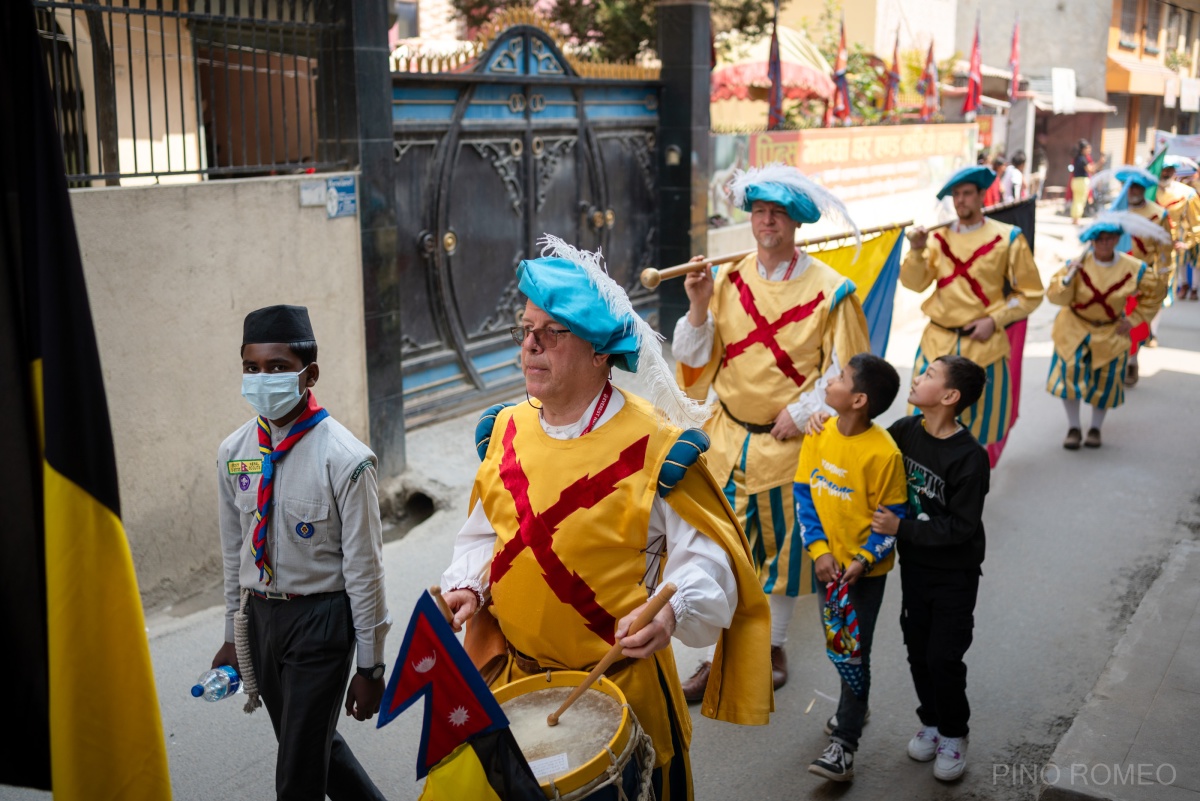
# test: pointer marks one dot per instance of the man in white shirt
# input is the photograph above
(1012, 180)
(587, 501)
(765, 334)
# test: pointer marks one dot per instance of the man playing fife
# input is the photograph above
(985, 279)
(766, 333)
(587, 501)
(1158, 254)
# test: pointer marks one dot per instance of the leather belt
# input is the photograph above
(529, 665)
(753, 428)
(271, 595)
(960, 332)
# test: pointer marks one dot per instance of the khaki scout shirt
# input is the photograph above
(324, 533)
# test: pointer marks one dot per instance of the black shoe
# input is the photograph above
(1093, 438)
(1131, 374)
(779, 669)
(836, 764)
(1073, 438)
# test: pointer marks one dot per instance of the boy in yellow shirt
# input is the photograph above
(848, 468)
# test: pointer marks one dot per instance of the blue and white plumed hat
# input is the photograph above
(975, 174)
(1125, 222)
(574, 287)
(1138, 175)
(1182, 165)
(804, 200)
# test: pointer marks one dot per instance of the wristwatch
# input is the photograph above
(372, 673)
(866, 563)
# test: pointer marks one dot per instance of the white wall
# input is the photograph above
(171, 273)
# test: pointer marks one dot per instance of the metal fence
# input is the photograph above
(168, 90)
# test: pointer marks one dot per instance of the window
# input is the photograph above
(1129, 15)
(1175, 20)
(1153, 25)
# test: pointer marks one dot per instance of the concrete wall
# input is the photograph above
(1070, 33)
(873, 23)
(171, 273)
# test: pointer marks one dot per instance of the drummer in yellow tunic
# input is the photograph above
(1158, 254)
(766, 334)
(1182, 206)
(588, 499)
(984, 279)
(1091, 332)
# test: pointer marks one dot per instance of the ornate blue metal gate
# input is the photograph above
(494, 146)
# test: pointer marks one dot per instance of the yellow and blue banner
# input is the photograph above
(72, 613)
(875, 275)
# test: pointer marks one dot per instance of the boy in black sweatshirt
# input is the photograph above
(941, 546)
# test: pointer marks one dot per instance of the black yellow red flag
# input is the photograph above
(79, 698)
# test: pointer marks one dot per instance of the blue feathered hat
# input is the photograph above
(1125, 222)
(574, 287)
(1138, 175)
(804, 200)
(975, 174)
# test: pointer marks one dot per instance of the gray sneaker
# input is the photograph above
(836, 764)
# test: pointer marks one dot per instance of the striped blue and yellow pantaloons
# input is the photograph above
(991, 416)
(1075, 377)
(769, 519)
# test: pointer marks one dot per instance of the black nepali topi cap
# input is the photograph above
(277, 324)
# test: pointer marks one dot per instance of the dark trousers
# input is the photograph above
(302, 652)
(866, 596)
(938, 621)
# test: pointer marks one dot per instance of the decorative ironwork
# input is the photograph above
(640, 147)
(408, 345)
(508, 167)
(508, 307)
(449, 242)
(633, 285)
(547, 62)
(508, 60)
(548, 160)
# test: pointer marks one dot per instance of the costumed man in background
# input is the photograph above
(985, 279)
(1187, 282)
(589, 498)
(1091, 332)
(1159, 255)
(1182, 205)
(766, 334)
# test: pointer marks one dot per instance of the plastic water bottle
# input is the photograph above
(218, 683)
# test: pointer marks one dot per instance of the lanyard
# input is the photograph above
(601, 405)
(792, 265)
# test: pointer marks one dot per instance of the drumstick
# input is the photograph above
(436, 592)
(651, 277)
(653, 608)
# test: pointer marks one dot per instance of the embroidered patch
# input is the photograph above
(244, 466)
(243, 482)
(358, 470)
(305, 530)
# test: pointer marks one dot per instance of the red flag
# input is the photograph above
(1014, 60)
(891, 95)
(928, 87)
(974, 77)
(841, 95)
(775, 75)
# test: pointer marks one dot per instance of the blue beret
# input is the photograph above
(1095, 229)
(563, 290)
(1138, 175)
(796, 204)
(976, 174)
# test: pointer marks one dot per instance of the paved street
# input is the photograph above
(1074, 540)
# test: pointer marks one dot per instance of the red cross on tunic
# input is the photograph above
(1100, 297)
(536, 529)
(962, 268)
(764, 332)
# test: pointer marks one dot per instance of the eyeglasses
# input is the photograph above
(546, 338)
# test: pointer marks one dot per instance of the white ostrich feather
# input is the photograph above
(777, 173)
(1135, 225)
(676, 407)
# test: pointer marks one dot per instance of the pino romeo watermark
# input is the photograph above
(1083, 774)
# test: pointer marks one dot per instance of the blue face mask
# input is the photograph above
(272, 395)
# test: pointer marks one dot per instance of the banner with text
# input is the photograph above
(854, 163)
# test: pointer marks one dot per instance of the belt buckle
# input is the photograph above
(272, 595)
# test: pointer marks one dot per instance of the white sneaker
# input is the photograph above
(951, 758)
(924, 744)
